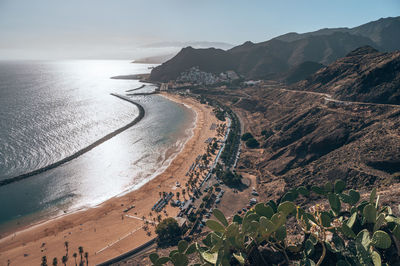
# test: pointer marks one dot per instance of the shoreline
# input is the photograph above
(108, 215)
(169, 160)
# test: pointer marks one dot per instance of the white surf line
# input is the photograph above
(120, 239)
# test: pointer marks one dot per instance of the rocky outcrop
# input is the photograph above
(364, 75)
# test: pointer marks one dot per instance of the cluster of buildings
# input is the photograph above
(196, 76)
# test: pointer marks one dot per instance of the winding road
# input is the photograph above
(328, 97)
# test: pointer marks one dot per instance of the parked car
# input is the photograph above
(253, 201)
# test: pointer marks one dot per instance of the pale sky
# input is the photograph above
(118, 29)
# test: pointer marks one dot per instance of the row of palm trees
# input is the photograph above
(194, 176)
(193, 181)
(156, 219)
(64, 258)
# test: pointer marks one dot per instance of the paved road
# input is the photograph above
(328, 97)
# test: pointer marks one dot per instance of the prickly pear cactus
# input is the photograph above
(341, 231)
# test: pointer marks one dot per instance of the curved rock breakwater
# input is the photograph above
(84, 150)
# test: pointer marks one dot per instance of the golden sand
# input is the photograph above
(106, 231)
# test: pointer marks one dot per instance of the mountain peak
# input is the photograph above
(363, 50)
(248, 43)
(188, 48)
(270, 59)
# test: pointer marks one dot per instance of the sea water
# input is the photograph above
(51, 109)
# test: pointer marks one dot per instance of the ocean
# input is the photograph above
(49, 110)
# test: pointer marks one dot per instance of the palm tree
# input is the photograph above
(87, 258)
(44, 261)
(55, 262)
(183, 192)
(160, 193)
(64, 260)
(159, 218)
(66, 246)
(81, 252)
(75, 255)
(178, 194)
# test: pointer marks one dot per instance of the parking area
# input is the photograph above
(234, 201)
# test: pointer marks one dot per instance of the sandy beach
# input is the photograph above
(107, 231)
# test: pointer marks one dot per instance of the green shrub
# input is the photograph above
(168, 232)
(220, 114)
(267, 133)
(231, 179)
(348, 232)
(252, 143)
(246, 136)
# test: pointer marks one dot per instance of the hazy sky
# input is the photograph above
(44, 29)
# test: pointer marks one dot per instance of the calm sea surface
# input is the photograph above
(49, 110)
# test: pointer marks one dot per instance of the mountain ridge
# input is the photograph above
(269, 59)
(364, 75)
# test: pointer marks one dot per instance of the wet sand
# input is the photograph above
(107, 231)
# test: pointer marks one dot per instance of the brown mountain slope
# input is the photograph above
(385, 33)
(311, 141)
(364, 75)
(267, 60)
(301, 71)
(209, 60)
(309, 138)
